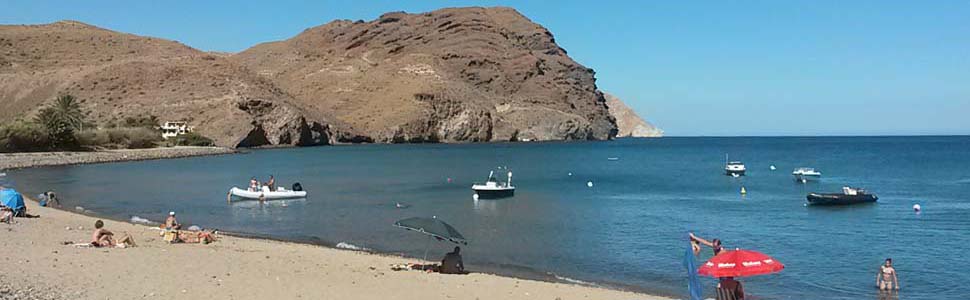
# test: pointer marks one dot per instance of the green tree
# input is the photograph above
(61, 119)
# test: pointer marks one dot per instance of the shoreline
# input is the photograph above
(358, 275)
(23, 160)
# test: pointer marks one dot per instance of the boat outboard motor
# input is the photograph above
(297, 187)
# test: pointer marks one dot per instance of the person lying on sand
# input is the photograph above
(105, 238)
(196, 237)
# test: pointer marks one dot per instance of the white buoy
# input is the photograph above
(475, 196)
(917, 208)
(570, 174)
(772, 167)
(743, 191)
(589, 183)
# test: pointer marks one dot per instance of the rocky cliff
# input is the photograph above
(629, 123)
(452, 75)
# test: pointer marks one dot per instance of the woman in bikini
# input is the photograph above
(887, 274)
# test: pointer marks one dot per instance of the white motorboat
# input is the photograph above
(493, 189)
(806, 174)
(733, 168)
(266, 194)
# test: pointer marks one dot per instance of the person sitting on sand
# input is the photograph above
(888, 275)
(452, 263)
(729, 285)
(253, 184)
(171, 222)
(104, 238)
(714, 244)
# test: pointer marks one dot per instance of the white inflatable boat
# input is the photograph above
(266, 194)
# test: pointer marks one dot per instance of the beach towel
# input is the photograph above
(693, 282)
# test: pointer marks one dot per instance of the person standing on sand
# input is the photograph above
(888, 275)
(715, 244)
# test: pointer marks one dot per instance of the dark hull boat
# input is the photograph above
(495, 194)
(847, 197)
(492, 189)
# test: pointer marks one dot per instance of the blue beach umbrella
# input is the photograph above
(12, 199)
(693, 281)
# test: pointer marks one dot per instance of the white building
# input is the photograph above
(173, 129)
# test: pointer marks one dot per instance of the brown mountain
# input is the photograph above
(457, 74)
(119, 75)
(628, 122)
(452, 75)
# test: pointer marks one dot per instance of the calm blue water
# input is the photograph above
(628, 230)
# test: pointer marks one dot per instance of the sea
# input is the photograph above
(614, 214)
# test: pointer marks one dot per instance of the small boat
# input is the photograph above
(266, 194)
(806, 174)
(493, 189)
(848, 196)
(733, 168)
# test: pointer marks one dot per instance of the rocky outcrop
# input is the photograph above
(630, 124)
(451, 75)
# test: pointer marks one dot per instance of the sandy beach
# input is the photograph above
(37, 265)
(43, 159)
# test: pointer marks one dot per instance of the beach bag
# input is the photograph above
(170, 236)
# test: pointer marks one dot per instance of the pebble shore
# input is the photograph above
(42, 159)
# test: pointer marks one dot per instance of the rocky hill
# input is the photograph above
(451, 75)
(119, 75)
(628, 122)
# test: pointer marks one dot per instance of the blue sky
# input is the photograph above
(698, 68)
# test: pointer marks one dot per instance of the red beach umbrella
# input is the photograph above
(740, 263)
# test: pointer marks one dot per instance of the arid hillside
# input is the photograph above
(117, 75)
(451, 75)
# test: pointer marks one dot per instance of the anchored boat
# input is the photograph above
(733, 168)
(848, 196)
(266, 194)
(493, 189)
(806, 174)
